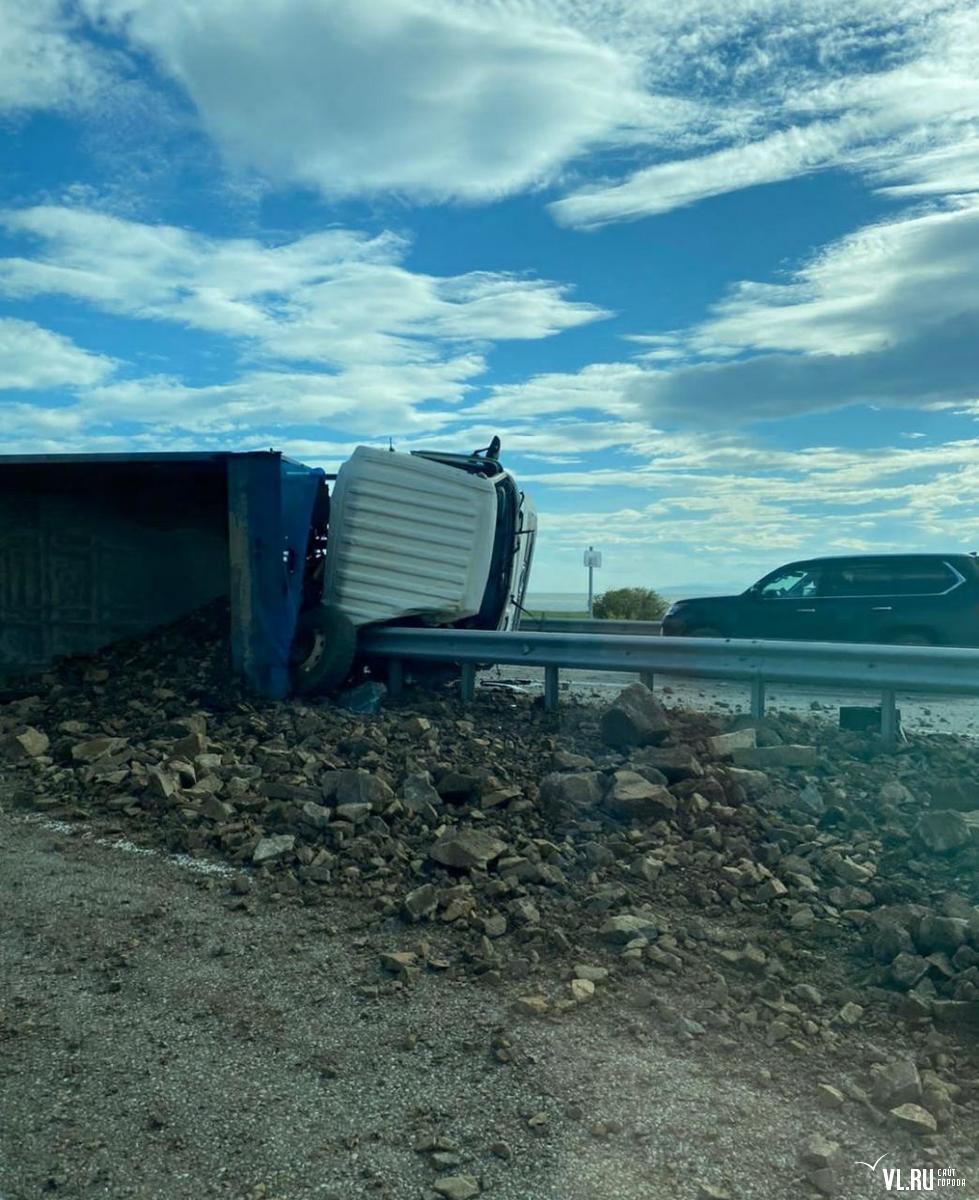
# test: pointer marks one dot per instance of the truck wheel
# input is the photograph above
(323, 650)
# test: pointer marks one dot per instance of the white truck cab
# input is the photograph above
(419, 538)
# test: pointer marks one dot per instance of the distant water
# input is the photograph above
(557, 601)
(578, 601)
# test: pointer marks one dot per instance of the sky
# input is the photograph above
(710, 270)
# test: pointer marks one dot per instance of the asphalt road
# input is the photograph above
(958, 715)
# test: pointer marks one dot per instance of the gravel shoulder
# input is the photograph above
(166, 1037)
(954, 715)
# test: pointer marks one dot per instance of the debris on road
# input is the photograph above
(778, 880)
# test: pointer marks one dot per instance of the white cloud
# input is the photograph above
(598, 387)
(887, 316)
(419, 96)
(912, 124)
(735, 510)
(665, 186)
(369, 400)
(45, 63)
(335, 297)
(872, 289)
(33, 358)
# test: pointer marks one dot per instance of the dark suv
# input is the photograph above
(903, 599)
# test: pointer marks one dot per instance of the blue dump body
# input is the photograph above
(94, 548)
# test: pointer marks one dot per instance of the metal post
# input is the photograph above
(647, 678)
(888, 718)
(551, 681)
(467, 681)
(591, 589)
(396, 677)
(757, 697)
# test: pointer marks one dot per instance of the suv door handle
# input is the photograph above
(883, 608)
(805, 610)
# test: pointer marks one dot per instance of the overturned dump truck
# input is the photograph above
(95, 549)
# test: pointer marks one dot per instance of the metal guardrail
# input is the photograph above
(884, 669)
(530, 624)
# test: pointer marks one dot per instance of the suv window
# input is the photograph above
(790, 583)
(927, 577)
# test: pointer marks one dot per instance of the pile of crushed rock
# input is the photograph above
(777, 879)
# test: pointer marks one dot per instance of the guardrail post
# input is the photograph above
(647, 678)
(888, 718)
(757, 698)
(467, 681)
(551, 680)
(396, 677)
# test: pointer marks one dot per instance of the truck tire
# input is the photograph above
(323, 650)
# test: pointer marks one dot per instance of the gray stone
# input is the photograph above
(467, 848)
(582, 990)
(564, 760)
(456, 1187)
(959, 794)
(632, 796)
(722, 745)
(190, 746)
(361, 787)
(96, 748)
(216, 810)
(941, 933)
(591, 973)
(626, 926)
(674, 762)
(270, 849)
(896, 1083)
(28, 743)
(811, 801)
(354, 813)
(821, 1160)
(907, 969)
(524, 911)
(764, 758)
(635, 719)
(943, 831)
(316, 816)
(755, 783)
(160, 783)
(494, 925)
(914, 1118)
(421, 903)
(419, 796)
(562, 792)
(457, 786)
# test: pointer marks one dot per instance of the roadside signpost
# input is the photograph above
(593, 559)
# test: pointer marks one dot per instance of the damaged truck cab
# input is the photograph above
(419, 538)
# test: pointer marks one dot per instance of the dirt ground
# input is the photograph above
(162, 1036)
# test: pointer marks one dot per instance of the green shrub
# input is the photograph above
(630, 604)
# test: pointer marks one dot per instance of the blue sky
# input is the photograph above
(710, 270)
